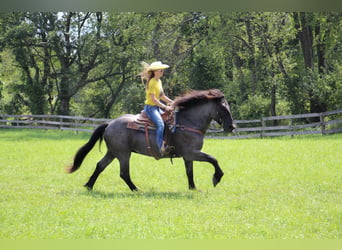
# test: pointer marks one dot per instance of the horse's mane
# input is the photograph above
(194, 97)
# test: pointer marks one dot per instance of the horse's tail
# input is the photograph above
(85, 149)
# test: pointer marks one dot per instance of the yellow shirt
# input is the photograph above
(154, 87)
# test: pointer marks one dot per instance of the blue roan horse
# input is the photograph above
(196, 110)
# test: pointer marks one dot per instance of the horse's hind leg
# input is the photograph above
(124, 171)
(101, 165)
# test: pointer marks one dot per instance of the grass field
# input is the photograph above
(279, 188)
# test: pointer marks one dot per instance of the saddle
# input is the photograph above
(141, 122)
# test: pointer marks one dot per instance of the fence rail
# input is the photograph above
(289, 125)
(51, 122)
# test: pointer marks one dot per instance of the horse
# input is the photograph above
(196, 110)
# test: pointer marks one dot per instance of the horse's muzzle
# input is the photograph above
(230, 128)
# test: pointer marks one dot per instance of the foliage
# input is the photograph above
(88, 63)
(255, 107)
(207, 68)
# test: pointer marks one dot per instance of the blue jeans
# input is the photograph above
(154, 113)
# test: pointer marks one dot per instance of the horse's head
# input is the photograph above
(224, 116)
(207, 102)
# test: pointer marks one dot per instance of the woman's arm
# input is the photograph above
(160, 104)
(166, 99)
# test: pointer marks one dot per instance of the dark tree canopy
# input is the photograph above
(88, 64)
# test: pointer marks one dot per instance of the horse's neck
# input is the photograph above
(198, 116)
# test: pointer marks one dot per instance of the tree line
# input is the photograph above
(88, 64)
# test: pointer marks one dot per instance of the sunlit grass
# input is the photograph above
(279, 188)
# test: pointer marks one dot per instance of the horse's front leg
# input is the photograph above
(190, 174)
(200, 156)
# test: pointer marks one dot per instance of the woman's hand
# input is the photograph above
(168, 108)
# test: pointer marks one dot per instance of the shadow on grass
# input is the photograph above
(140, 194)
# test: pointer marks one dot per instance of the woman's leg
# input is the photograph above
(153, 113)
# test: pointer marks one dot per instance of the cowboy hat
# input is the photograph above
(157, 65)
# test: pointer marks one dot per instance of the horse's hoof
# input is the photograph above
(216, 180)
(88, 188)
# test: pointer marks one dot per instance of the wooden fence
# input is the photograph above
(291, 125)
(50, 122)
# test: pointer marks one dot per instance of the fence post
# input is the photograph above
(263, 125)
(322, 123)
(291, 128)
(60, 123)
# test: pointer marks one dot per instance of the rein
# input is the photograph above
(182, 127)
(152, 153)
(194, 130)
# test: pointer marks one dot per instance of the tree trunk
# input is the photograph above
(304, 32)
(64, 96)
(64, 107)
(320, 49)
(251, 48)
(113, 97)
(303, 24)
(273, 102)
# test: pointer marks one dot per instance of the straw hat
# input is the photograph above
(157, 65)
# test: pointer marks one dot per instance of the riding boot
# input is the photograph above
(166, 149)
(163, 149)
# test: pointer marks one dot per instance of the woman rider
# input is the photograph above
(154, 97)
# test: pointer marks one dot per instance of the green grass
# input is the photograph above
(279, 188)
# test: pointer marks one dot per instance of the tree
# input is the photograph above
(57, 53)
(80, 49)
(313, 32)
(127, 35)
(88, 63)
(173, 40)
(26, 37)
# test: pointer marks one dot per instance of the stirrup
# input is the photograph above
(166, 150)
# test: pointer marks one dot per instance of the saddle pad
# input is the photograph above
(138, 126)
(141, 119)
